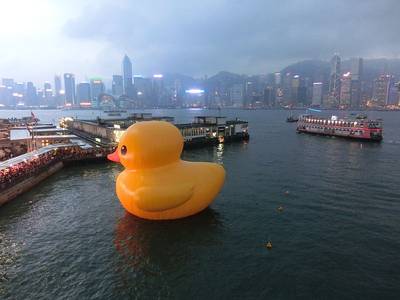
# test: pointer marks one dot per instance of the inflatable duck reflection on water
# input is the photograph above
(156, 184)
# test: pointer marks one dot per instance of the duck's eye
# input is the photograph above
(124, 150)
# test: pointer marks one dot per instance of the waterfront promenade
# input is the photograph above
(21, 173)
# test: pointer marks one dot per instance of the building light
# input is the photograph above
(158, 76)
(194, 91)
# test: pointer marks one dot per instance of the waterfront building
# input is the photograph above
(127, 77)
(194, 98)
(287, 89)
(250, 92)
(83, 92)
(57, 89)
(19, 87)
(236, 95)
(381, 90)
(392, 94)
(47, 93)
(57, 85)
(143, 87)
(31, 96)
(277, 79)
(19, 93)
(269, 96)
(178, 94)
(6, 90)
(295, 87)
(97, 87)
(47, 85)
(345, 90)
(8, 82)
(69, 86)
(117, 88)
(334, 82)
(157, 88)
(356, 82)
(317, 94)
(398, 92)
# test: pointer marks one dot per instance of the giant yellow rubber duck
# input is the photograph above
(156, 184)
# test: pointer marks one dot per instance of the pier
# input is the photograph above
(203, 131)
(19, 174)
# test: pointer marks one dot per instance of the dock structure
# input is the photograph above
(19, 174)
(203, 131)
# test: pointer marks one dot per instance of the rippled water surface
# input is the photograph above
(338, 236)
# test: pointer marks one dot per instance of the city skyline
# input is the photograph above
(189, 38)
(343, 86)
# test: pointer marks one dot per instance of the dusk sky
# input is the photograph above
(41, 38)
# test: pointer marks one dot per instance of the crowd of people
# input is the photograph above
(39, 162)
(12, 151)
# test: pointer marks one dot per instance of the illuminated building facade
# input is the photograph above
(334, 82)
(345, 90)
(317, 94)
(97, 88)
(69, 85)
(356, 81)
(127, 77)
(381, 90)
(117, 87)
(83, 92)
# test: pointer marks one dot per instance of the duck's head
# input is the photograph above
(148, 144)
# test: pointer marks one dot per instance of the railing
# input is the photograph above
(25, 166)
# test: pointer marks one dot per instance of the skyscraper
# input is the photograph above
(8, 82)
(47, 93)
(356, 81)
(83, 92)
(97, 88)
(236, 93)
(128, 78)
(69, 85)
(334, 82)
(398, 92)
(57, 85)
(345, 90)
(31, 95)
(381, 90)
(157, 88)
(317, 94)
(117, 85)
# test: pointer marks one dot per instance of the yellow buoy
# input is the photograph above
(269, 245)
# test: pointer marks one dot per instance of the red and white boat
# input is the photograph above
(357, 128)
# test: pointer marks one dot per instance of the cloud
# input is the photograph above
(198, 37)
(259, 36)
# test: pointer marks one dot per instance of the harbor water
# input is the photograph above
(337, 237)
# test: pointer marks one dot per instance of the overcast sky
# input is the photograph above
(89, 37)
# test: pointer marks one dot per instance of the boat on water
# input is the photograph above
(114, 112)
(359, 128)
(292, 119)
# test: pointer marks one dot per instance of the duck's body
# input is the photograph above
(157, 184)
(170, 192)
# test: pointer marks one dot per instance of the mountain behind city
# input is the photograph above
(317, 83)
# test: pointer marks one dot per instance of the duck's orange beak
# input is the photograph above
(114, 156)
